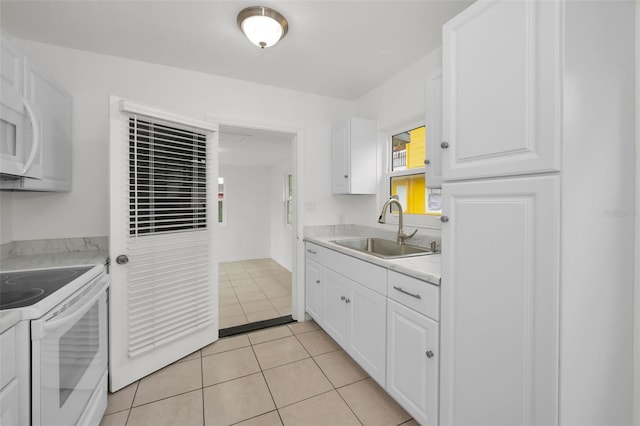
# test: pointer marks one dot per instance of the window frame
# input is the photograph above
(427, 220)
(287, 196)
(223, 201)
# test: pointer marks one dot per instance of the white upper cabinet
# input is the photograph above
(501, 90)
(52, 105)
(353, 157)
(433, 130)
(12, 76)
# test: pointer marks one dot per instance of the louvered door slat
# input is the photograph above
(169, 292)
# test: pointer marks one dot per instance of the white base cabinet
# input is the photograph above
(313, 289)
(412, 362)
(15, 363)
(499, 317)
(344, 304)
(386, 321)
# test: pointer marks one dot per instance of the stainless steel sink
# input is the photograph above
(385, 249)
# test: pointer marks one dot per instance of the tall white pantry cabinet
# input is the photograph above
(537, 233)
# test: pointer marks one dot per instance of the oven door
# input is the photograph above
(69, 355)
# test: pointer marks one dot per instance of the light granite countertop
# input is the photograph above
(426, 268)
(53, 260)
(40, 254)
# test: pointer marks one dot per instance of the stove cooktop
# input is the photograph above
(25, 288)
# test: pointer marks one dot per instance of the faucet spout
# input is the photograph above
(402, 236)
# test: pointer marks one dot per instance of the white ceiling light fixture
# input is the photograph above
(263, 26)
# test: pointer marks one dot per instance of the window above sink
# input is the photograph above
(406, 179)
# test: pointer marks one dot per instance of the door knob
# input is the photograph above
(123, 259)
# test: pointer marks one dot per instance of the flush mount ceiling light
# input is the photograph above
(264, 27)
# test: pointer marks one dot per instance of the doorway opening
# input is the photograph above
(255, 234)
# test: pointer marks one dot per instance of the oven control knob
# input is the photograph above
(123, 259)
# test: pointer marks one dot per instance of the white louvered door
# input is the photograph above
(163, 301)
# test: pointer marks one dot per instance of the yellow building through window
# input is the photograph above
(408, 153)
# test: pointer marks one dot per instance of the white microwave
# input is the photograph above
(20, 145)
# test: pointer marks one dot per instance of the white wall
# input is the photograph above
(281, 234)
(636, 357)
(91, 78)
(398, 104)
(247, 232)
(6, 219)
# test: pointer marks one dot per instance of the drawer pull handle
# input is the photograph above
(312, 252)
(401, 290)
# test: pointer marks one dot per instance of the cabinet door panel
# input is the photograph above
(336, 289)
(499, 306)
(52, 106)
(313, 290)
(340, 183)
(501, 89)
(10, 403)
(433, 128)
(412, 372)
(11, 83)
(367, 338)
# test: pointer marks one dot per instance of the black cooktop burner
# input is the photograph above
(25, 288)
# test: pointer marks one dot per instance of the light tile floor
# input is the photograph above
(253, 290)
(288, 375)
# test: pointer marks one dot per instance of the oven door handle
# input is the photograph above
(40, 327)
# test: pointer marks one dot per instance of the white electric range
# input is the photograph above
(62, 334)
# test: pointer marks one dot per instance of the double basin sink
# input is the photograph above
(385, 249)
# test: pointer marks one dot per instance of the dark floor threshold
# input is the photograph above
(254, 326)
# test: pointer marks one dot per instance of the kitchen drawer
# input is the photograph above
(365, 273)
(7, 356)
(415, 294)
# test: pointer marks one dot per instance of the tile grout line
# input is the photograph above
(202, 388)
(266, 382)
(330, 382)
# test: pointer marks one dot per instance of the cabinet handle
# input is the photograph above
(317, 281)
(427, 161)
(342, 297)
(444, 219)
(444, 145)
(312, 252)
(346, 176)
(429, 354)
(35, 135)
(401, 290)
(347, 301)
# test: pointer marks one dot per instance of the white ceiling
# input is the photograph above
(341, 49)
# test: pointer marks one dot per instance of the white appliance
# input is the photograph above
(68, 350)
(20, 145)
(19, 142)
